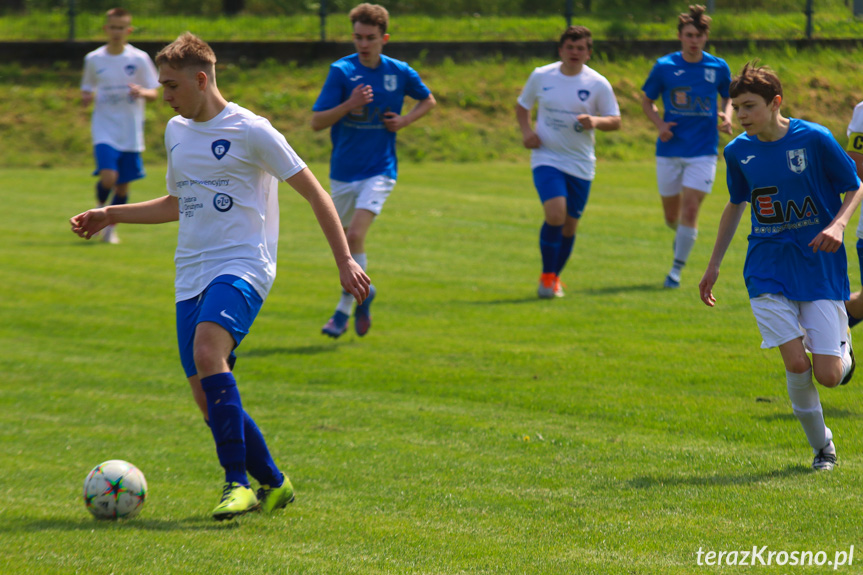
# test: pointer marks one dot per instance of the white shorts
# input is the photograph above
(369, 194)
(823, 323)
(674, 174)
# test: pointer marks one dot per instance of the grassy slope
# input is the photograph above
(474, 121)
(617, 430)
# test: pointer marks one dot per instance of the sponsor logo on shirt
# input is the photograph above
(223, 202)
(355, 78)
(220, 148)
(796, 160)
(770, 212)
(747, 160)
(678, 72)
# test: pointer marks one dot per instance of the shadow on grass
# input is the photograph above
(611, 290)
(137, 524)
(300, 350)
(829, 412)
(649, 482)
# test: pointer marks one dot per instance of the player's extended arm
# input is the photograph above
(360, 96)
(727, 227)
(86, 98)
(652, 113)
(601, 123)
(394, 122)
(157, 211)
(149, 94)
(832, 237)
(354, 279)
(529, 138)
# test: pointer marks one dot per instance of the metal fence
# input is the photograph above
(309, 20)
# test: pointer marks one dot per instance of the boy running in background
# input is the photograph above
(361, 103)
(119, 78)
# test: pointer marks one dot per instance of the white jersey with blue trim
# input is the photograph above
(795, 187)
(118, 119)
(566, 145)
(855, 144)
(225, 174)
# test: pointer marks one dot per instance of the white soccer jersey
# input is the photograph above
(118, 120)
(225, 175)
(561, 99)
(855, 144)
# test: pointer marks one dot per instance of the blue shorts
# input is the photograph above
(228, 301)
(128, 165)
(552, 183)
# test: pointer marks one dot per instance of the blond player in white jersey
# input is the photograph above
(224, 164)
(119, 78)
(854, 306)
(573, 102)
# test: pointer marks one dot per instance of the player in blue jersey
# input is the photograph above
(689, 82)
(224, 165)
(854, 306)
(573, 102)
(361, 102)
(793, 173)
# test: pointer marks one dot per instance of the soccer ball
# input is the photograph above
(115, 489)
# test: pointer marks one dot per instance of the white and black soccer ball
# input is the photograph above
(115, 489)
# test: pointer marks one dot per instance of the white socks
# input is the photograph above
(346, 302)
(684, 241)
(807, 407)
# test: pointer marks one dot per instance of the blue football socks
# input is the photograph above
(564, 253)
(227, 424)
(102, 193)
(258, 460)
(550, 238)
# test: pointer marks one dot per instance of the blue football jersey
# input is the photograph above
(689, 97)
(795, 188)
(362, 145)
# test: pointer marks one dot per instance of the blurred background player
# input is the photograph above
(361, 102)
(687, 146)
(794, 174)
(854, 306)
(119, 78)
(573, 101)
(224, 164)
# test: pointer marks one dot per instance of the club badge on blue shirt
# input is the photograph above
(796, 160)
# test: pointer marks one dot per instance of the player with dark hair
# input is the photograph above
(224, 165)
(793, 173)
(686, 150)
(361, 102)
(573, 101)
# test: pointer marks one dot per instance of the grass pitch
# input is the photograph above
(476, 429)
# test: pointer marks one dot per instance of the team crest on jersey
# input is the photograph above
(390, 82)
(583, 95)
(710, 75)
(220, 148)
(223, 202)
(129, 69)
(796, 160)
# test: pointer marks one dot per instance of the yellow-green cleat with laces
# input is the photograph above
(272, 498)
(236, 500)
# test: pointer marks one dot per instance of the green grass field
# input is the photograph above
(476, 429)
